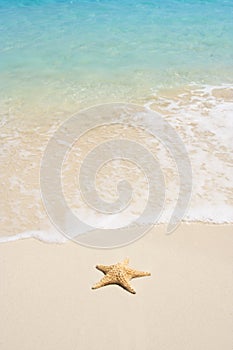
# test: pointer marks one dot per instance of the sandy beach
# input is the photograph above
(46, 299)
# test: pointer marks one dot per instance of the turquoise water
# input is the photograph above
(112, 49)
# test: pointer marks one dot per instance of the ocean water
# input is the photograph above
(58, 57)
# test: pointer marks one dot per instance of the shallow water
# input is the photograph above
(57, 57)
(91, 51)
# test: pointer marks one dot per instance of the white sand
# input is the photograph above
(46, 300)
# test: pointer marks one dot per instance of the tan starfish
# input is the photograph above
(119, 274)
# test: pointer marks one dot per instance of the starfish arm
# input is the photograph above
(134, 273)
(126, 261)
(103, 282)
(125, 284)
(103, 268)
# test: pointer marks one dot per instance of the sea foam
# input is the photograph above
(201, 115)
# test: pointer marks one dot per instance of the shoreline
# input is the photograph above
(60, 239)
(46, 299)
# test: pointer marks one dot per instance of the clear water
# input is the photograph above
(112, 48)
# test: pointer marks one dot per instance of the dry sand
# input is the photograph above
(46, 300)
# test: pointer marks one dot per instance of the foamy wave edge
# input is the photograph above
(43, 236)
(215, 215)
(56, 237)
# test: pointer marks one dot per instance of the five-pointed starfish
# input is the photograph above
(119, 274)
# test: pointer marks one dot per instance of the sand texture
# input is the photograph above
(47, 303)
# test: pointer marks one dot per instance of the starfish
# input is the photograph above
(119, 274)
